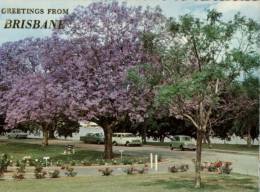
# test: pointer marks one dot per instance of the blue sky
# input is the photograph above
(172, 8)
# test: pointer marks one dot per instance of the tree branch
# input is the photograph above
(192, 120)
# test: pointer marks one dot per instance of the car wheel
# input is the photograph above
(127, 144)
(172, 148)
(98, 142)
(181, 148)
(115, 143)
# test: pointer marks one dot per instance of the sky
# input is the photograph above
(173, 8)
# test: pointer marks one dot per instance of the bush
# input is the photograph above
(178, 168)
(160, 158)
(28, 161)
(184, 167)
(59, 163)
(130, 170)
(173, 169)
(39, 173)
(18, 175)
(21, 168)
(226, 169)
(4, 162)
(86, 163)
(100, 161)
(63, 167)
(143, 170)
(106, 171)
(127, 162)
(73, 163)
(54, 174)
(115, 162)
(70, 172)
(212, 168)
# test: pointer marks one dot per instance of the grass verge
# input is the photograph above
(178, 182)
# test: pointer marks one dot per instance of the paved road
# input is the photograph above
(242, 163)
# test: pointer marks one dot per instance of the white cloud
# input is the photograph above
(247, 8)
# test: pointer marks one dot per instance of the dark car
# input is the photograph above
(97, 138)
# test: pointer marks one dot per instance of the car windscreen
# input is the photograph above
(129, 135)
(186, 138)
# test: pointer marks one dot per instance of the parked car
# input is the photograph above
(126, 139)
(93, 138)
(17, 134)
(182, 142)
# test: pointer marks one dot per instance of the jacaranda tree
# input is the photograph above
(106, 39)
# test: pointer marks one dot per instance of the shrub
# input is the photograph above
(212, 168)
(160, 158)
(72, 163)
(127, 162)
(115, 162)
(39, 173)
(59, 163)
(106, 171)
(184, 167)
(218, 164)
(143, 170)
(70, 172)
(21, 168)
(86, 163)
(4, 162)
(173, 169)
(63, 167)
(18, 175)
(17, 163)
(100, 161)
(28, 161)
(54, 174)
(130, 170)
(226, 169)
(1, 173)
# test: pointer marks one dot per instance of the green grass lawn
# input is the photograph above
(178, 182)
(231, 147)
(19, 150)
(234, 147)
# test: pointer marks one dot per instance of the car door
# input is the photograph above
(121, 139)
(175, 142)
(89, 138)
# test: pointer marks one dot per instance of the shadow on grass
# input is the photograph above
(217, 183)
(185, 185)
(239, 182)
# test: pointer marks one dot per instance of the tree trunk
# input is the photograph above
(51, 134)
(249, 138)
(144, 132)
(198, 159)
(162, 139)
(208, 141)
(45, 136)
(108, 153)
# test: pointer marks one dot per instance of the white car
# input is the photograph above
(126, 139)
(16, 133)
